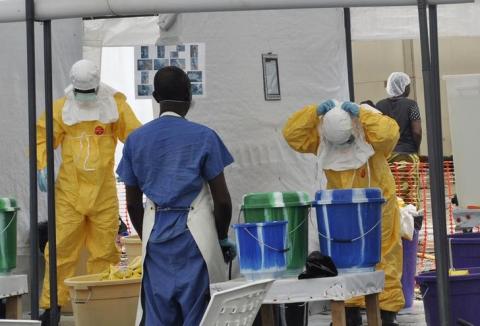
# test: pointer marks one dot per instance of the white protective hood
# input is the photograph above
(340, 155)
(103, 109)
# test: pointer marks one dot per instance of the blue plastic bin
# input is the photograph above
(465, 249)
(262, 249)
(464, 297)
(349, 227)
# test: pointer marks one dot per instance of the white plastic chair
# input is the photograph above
(237, 306)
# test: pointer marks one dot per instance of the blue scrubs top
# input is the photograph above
(170, 159)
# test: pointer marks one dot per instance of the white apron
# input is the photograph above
(201, 223)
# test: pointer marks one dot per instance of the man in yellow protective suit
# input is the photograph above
(87, 123)
(353, 143)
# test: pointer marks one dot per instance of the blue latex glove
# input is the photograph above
(42, 180)
(229, 249)
(352, 108)
(325, 107)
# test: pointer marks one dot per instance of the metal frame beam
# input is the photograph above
(431, 84)
(348, 47)
(32, 157)
(52, 240)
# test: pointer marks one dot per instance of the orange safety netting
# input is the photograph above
(122, 206)
(405, 178)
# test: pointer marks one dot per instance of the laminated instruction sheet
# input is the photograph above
(150, 58)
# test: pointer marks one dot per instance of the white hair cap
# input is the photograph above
(337, 126)
(85, 75)
(397, 83)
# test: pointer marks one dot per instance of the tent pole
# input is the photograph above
(52, 243)
(32, 144)
(435, 157)
(434, 53)
(348, 40)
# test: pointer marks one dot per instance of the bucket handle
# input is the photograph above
(298, 226)
(239, 214)
(264, 244)
(426, 292)
(78, 301)
(9, 223)
(290, 232)
(351, 240)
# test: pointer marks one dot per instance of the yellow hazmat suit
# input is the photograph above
(86, 200)
(382, 133)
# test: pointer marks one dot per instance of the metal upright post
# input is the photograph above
(435, 157)
(348, 40)
(52, 243)
(32, 145)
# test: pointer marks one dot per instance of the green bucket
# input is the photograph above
(293, 207)
(8, 234)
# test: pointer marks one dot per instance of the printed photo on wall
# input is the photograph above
(145, 90)
(197, 89)
(180, 63)
(160, 51)
(143, 64)
(194, 51)
(148, 59)
(160, 63)
(145, 77)
(194, 63)
(144, 52)
(195, 76)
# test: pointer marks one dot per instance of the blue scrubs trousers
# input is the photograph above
(175, 283)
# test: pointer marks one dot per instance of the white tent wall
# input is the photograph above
(312, 67)
(66, 48)
(393, 23)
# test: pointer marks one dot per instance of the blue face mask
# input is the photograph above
(85, 97)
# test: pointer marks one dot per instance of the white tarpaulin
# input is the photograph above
(66, 48)
(402, 22)
(310, 45)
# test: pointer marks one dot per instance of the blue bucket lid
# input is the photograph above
(348, 196)
(243, 225)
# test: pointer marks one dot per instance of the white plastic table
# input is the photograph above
(335, 289)
(12, 287)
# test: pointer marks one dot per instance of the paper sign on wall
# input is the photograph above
(149, 58)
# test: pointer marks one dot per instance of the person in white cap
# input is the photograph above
(88, 121)
(404, 160)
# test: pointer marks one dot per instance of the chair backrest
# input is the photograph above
(7, 322)
(236, 307)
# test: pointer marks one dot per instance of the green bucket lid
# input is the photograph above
(8, 205)
(275, 199)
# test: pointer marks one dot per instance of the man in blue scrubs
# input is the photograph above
(170, 160)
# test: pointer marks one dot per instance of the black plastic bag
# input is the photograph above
(317, 266)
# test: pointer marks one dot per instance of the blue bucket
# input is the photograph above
(262, 249)
(349, 227)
